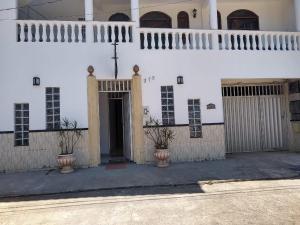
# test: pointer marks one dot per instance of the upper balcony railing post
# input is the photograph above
(214, 22)
(297, 14)
(89, 17)
(135, 17)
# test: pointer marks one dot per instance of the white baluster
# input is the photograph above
(153, 40)
(65, 32)
(271, 44)
(242, 44)
(258, 43)
(294, 42)
(159, 40)
(113, 34)
(283, 42)
(80, 32)
(201, 43)
(44, 32)
(194, 37)
(74, 35)
(51, 32)
(289, 42)
(118, 33)
(184, 37)
(229, 41)
(130, 33)
(190, 41)
(235, 42)
(254, 44)
(248, 41)
(277, 40)
(58, 33)
(22, 34)
(172, 41)
(29, 33)
(179, 45)
(125, 34)
(166, 40)
(263, 42)
(106, 33)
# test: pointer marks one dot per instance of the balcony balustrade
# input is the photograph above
(73, 32)
(156, 38)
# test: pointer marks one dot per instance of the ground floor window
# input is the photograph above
(22, 124)
(195, 118)
(167, 103)
(52, 108)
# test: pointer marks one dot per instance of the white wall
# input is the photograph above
(64, 65)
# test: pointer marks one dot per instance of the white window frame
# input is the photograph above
(22, 115)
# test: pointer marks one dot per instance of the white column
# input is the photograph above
(89, 16)
(213, 20)
(213, 13)
(89, 10)
(135, 12)
(12, 9)
(297, 14)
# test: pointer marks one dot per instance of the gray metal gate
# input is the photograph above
(255, 118)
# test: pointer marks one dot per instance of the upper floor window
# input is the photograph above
(183, 20)
(156, 20)
(22, 124)
(243, 20)
(167, 104)
(119, 17)
(52, 108)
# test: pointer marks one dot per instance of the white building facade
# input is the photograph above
(224, 74)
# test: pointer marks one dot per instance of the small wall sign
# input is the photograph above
(211, 106)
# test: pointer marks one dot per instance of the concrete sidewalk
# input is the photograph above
(246, 166)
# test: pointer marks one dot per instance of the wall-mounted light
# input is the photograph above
(36, 81)
(195, 11)
(180, 80)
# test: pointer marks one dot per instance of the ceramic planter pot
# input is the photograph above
(66, 163)
(162, 157)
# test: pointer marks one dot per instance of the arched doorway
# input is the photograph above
(243, 20)
(156, 20)
(119, 17)
(183, 20)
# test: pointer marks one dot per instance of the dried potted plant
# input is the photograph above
(69, 136)
(161, 137)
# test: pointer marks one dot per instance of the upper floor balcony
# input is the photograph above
(248, 25)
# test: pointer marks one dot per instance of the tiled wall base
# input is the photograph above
(185, 149)
(40, 154)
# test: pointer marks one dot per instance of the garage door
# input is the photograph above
(255, 118)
